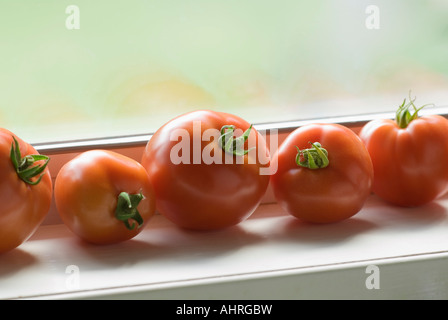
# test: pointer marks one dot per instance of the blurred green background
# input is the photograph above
(134, 64)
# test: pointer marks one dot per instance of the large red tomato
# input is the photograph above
(104, 197)
(324, 173)
(206, 175)
(25, 189)
(409, 156)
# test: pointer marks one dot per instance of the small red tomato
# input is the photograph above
(104, 197)
(324, 173)
(25, 189)
(409, 156)
(203, 172)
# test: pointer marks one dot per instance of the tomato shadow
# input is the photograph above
(154, 244)
(216, 241)
(407, 217)
(94, 256)
(14, 261)
(297, 231)
(191, 246)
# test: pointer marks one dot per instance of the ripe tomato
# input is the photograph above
(203, 173)
(324, 173)
(25, 188)
(104, 197)
(409, 156)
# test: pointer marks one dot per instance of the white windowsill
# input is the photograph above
(269, 256)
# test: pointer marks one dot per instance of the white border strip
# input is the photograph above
(139, 140)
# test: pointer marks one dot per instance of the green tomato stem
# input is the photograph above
(404, 116)
(233, 145)
(25, 168)
(315, 157)
(127, 209)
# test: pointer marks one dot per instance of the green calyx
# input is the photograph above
(315, 157)
(407, 112)
(127, 209)
(233, 145)
(25, 167)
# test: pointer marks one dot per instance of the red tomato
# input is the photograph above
(25, 189)
(104, 197)
(328, 180)
(409, 156)
(198, 184)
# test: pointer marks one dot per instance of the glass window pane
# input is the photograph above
(107, 68)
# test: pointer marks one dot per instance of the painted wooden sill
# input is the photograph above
(269, 256)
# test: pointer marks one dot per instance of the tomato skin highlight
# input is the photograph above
(86, 195)
(409, 163)
(325, 195)
(24, 206)
(205, 196)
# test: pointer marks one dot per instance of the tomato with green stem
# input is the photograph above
(324, 173)
(207, 169)
(25, 188)
(409, 156)
(104, 197)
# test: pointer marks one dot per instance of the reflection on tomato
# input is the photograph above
(25, 189)
(324, 173)
(104, 197)
(201, 186)
(409, 156)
